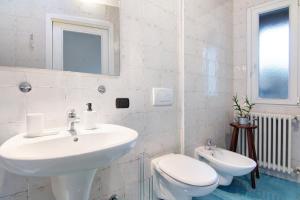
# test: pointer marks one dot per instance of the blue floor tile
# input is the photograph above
(267, 188)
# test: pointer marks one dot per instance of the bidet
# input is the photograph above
(227, 163)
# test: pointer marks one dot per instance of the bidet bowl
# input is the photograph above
(226, 163)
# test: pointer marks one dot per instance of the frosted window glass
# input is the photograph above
(82, 52)
(274, 54)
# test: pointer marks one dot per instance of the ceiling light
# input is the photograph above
(115, 3)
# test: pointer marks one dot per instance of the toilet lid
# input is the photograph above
(188, 170)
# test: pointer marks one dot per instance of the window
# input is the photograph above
(80, 45)
(272, 47)
(80, 48)
(81, 52)
(274, 56)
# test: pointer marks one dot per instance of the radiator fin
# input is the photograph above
(272, 141)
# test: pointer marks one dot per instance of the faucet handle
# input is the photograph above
(210, 144)
(72, 113)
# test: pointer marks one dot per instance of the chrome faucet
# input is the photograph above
(210, 144)
(72, 120)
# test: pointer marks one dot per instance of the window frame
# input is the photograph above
(70, 23)
(253, 51)
(58, 41)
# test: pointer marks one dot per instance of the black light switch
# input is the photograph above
(122, 103)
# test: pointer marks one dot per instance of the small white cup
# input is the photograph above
(35, 124)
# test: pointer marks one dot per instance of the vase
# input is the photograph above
(244, 120)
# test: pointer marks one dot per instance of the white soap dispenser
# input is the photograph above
(89, 118)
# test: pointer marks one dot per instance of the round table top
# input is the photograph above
(246, 126)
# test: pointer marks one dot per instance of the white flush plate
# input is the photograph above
(162, 96)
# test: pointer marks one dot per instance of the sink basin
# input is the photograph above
(70, 161)
(60, 154)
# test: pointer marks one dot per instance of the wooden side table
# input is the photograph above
(251, 147)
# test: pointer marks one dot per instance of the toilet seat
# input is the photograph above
(187, 170)
(179, 177)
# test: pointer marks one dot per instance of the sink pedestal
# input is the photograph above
(74, 186)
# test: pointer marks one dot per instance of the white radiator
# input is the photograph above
(272, 141)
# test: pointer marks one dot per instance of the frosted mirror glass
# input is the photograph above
(67, 35)
(274, 54)
(81, 52)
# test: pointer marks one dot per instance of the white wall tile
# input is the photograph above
(12, 105)
(148, 59)
(208, 72)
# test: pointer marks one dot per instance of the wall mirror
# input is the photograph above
(67, 35)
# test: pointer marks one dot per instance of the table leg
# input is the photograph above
(234, 139)
(251, 153)
(254, 154)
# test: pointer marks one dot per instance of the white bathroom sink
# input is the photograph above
(60, 154)
(70, 161)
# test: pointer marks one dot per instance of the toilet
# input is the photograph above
(179, 177)
(227, 163)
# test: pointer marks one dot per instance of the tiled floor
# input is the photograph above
(268, 188)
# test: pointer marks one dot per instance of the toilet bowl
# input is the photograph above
(227, 163)
(179, 177)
